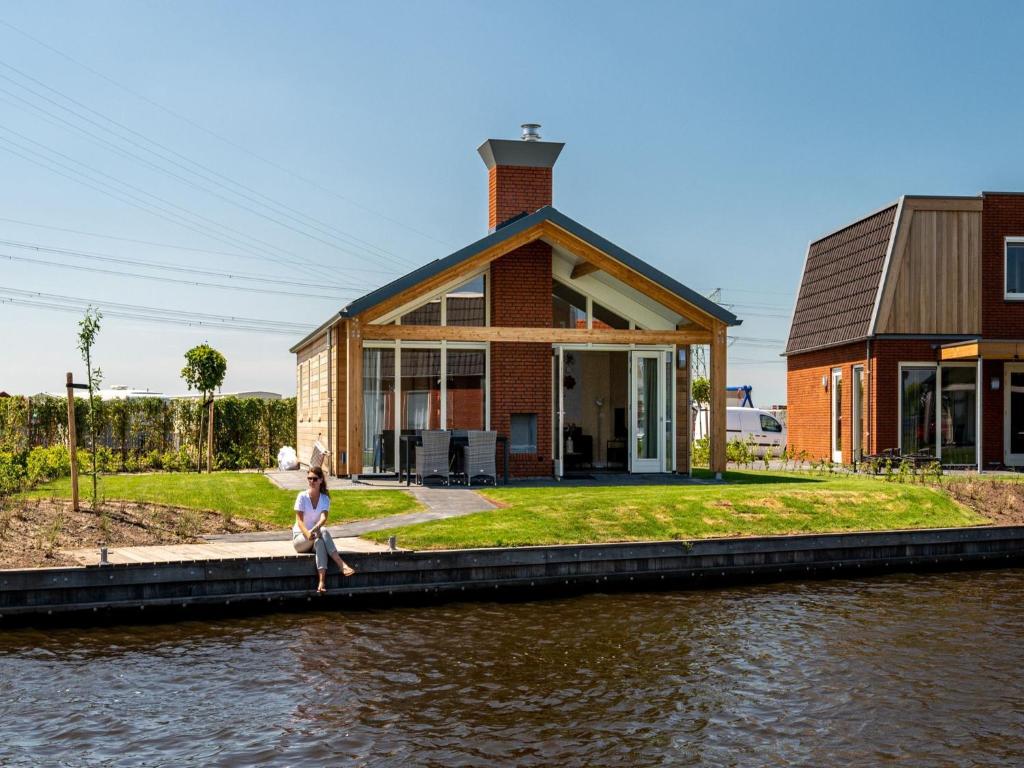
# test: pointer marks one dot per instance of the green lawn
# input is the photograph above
(241, 494)
(750, 504)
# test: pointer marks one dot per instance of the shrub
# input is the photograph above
(701, 452)
(45, 464)
(13, 474)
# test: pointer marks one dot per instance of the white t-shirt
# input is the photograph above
(310, 516)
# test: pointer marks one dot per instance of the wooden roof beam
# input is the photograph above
(583, 268)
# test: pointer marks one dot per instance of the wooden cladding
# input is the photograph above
(989, 350)
(933, 283)
(524, 335)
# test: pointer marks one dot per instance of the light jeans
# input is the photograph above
(322, 546)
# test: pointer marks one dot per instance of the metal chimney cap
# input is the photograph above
(531, 132)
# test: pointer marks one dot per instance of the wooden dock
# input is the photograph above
(96, 593)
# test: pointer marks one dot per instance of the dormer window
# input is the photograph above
(1015, 268)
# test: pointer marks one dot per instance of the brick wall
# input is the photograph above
(521, 373)
(683, 415)
(809, 425)
(992, 413)
(513, 190)
(1002, 216)
(810, 405)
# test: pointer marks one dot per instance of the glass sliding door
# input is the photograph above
(959, 415)
(647, 440)
(859, 415)
(917, 409)
(1013, 425)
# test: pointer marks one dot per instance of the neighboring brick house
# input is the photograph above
(573, 349)
(908, 334)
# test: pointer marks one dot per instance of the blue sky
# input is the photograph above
(713, 140)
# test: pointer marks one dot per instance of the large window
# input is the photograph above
(568, 307)
(1015, 268)
(421, 389)
(379, 409)
(917, 410)
(959, 415)
(466, 376)
(463, 305)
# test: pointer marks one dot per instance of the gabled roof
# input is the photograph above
(841, 278)
(547, 213)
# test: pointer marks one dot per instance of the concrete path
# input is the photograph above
(218, 550)
(295, 480)
(440, 503)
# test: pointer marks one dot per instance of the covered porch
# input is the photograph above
(998, 376)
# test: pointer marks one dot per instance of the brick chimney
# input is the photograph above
(519, 174)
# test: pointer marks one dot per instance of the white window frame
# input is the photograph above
(937, 367)
(1007, 296)
(856, 404)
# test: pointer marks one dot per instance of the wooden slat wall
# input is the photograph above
(313, 396)
(934, 283)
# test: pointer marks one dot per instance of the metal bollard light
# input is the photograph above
(392, 543)
(103, 556)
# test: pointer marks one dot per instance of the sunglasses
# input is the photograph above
(312, 479)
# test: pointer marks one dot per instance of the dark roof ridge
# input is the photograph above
(859, 220)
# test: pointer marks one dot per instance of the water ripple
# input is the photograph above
(915, 669)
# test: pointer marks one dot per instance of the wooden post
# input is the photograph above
(209, 439)
(718, 407)
(72, 441)
(354, 386)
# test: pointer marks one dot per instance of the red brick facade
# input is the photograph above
(1002, 216)
(514, 190)
(809, 403)
(521, 373)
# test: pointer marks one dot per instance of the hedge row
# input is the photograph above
(151, 433)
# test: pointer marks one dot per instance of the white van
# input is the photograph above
(751, 425)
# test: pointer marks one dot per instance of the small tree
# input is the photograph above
(204, 371)
(88, 329)
(702, 397)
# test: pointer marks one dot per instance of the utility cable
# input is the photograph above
(218, 136)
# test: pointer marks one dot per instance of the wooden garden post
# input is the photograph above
(209, 439)
(72, 442)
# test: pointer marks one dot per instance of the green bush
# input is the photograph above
(13, 473)
(147, 434)
(44, 464)
(701, 452)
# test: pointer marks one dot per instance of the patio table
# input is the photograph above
(459, 439)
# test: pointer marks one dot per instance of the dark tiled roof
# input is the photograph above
(840, 282)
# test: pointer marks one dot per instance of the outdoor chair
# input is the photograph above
(478, 456)
(432, 456)
(318, 455)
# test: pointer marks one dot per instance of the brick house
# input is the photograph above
(908, 333)
(572, 348)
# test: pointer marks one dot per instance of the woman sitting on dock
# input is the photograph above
(310, 529)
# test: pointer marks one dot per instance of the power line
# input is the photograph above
(351, 239)
(218, 136)
(169, 267)
(164, 279)
(168, 245)
(143, 204)
(17, 295)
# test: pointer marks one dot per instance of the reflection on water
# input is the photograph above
(914, 670)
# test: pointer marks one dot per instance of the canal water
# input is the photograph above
(904, 670)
